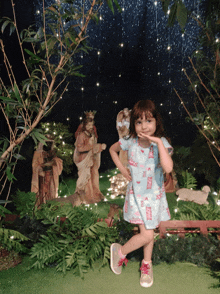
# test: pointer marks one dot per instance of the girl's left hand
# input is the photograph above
(151, 138)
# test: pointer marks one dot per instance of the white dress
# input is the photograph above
(145, 201)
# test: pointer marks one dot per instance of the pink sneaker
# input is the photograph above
(116, 261)
(146, 279)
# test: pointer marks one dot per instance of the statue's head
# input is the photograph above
(87, 124)
(90, 114)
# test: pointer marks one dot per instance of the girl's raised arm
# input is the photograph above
(165, 158)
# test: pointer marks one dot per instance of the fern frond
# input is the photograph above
(188, 180)
(10, 239)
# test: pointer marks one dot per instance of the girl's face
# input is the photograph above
(146, 125)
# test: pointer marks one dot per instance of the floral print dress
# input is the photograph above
(145, 201)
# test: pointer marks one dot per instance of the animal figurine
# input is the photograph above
(199, 197)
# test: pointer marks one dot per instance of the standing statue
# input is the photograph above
(87, 157)
(46, 168)
(122, 126)
(118, 182)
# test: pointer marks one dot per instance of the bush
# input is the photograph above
(24, 203)
(74, 239)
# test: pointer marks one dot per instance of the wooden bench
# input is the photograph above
(192, 226)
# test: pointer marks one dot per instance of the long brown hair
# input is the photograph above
(148, 108)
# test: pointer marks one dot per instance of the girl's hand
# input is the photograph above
(150, 138)
(127, 174)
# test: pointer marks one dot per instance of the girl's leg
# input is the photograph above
(148, 249)
(145, 238)
(118, 253)
(146, 279)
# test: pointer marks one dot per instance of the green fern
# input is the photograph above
(4, 211)
(25, 203)
(194, 211)
(73, 244)
(11, 240)
(187, 180)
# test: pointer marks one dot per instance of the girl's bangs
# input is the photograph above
(140, 112)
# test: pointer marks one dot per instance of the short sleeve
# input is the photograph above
(167, 145)
(125, 144)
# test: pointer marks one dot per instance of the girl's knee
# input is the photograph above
(148, 234)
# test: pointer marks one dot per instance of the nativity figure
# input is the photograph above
(46, 168)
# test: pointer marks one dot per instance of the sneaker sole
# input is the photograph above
(111, 259)
(146, 285)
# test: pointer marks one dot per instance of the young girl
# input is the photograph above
(145, 204)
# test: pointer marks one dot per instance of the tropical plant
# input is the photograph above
(25, 203)
(10, 239)
(74, 239)
(193, 211)
(48, 57)
(177, 11)
(204, 80)
(199, 250)
(187, 180)
(3, 210)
